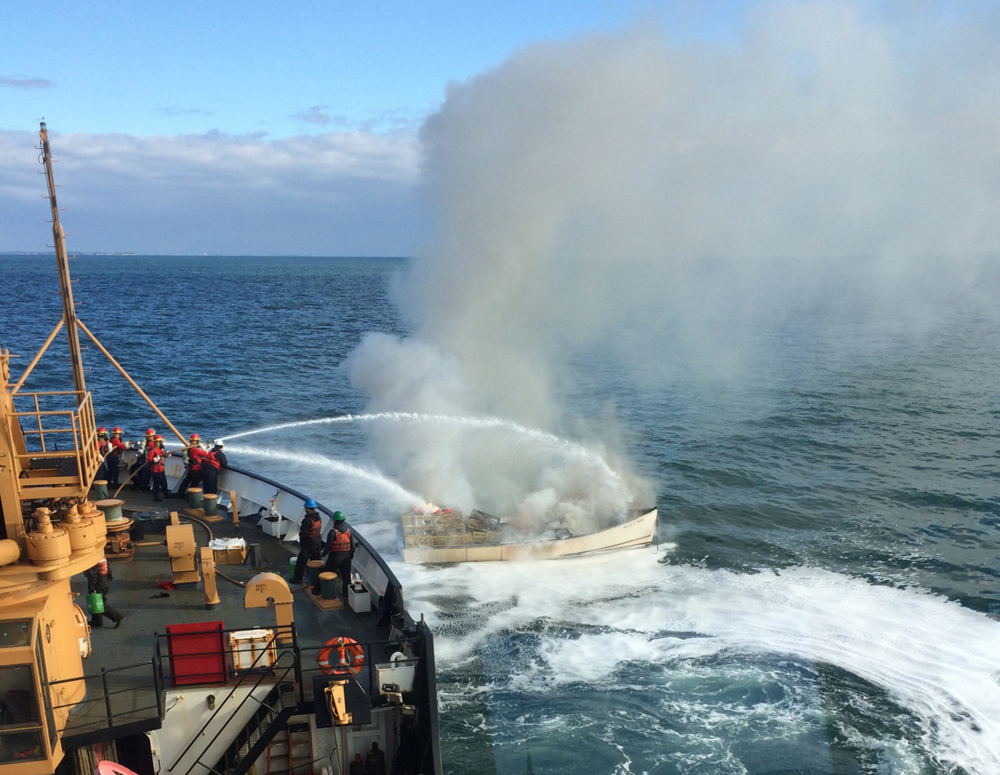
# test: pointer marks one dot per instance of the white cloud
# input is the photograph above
(331, 194)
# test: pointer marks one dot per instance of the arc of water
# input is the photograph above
(570, 448)
(309, 458)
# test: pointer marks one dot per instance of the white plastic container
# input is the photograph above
(247, 645)
(359, 598)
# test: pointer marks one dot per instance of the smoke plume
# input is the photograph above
(674, 206)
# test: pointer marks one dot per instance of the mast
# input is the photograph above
(69, 309)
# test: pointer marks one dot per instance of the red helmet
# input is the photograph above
(150, 432)
(158, 437)
(195, 437)
(117, 431)
(102, 431)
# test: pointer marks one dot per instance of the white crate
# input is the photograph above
(247, 646)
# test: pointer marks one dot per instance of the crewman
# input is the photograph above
(103, 450)
(98, 580)
(375, 761)
(193, 456)
(213, 461)
(157, 471)
(310, 539)
(140, 469)
(340, 544)
(114, 458)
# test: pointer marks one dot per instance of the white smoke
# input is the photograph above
(676, 206)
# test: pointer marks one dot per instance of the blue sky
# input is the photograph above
(279, 68)
(236, 128)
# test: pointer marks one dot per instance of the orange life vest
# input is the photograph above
(341, 541)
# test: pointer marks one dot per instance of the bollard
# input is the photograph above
(328, 585)
(315, 568)
(100, 489)
(211, 504)
(194, 497)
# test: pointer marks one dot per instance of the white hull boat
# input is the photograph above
(484, 546)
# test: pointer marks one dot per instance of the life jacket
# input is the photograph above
(117, 446)
(341, 542)
(315, 525)
(211, 461)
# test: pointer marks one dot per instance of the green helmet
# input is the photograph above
(338, 516)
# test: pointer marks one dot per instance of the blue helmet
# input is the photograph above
(310, 503)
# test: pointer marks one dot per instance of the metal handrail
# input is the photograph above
(82, 445)
(106, 695)
(243, 679)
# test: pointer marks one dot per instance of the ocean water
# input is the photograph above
(819, 598)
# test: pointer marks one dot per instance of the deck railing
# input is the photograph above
(131, 697)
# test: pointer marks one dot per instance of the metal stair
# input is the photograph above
(255, 738)
(299, 741)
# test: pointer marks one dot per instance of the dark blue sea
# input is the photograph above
(820, 598)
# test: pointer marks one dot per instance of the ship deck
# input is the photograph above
(119, 670)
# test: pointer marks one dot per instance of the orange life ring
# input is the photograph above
(349, 657)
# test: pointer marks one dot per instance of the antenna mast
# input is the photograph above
(69, 309)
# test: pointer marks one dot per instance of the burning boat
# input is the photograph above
(433, 535)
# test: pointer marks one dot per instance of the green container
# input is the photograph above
(328, 585)
(291, 566)
(95, 603)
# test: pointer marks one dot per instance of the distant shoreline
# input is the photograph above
(37, 253)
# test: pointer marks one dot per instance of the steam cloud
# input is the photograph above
(675, 206)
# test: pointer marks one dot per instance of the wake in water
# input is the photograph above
(677, 635)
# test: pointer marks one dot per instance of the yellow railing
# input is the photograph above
(64, 437)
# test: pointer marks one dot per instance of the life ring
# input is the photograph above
(341, 655)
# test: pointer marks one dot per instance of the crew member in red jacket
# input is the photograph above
(193, 457)
(140, 470)
(157, 471)
(114, 457)
(213, 462)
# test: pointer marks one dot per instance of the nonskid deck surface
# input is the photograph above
(140, 591)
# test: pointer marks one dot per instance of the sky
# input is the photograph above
(230, 127)
(234, 128)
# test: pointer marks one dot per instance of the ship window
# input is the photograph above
(17, 696)
(46, 696)
(14, 633)
(20, 724)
